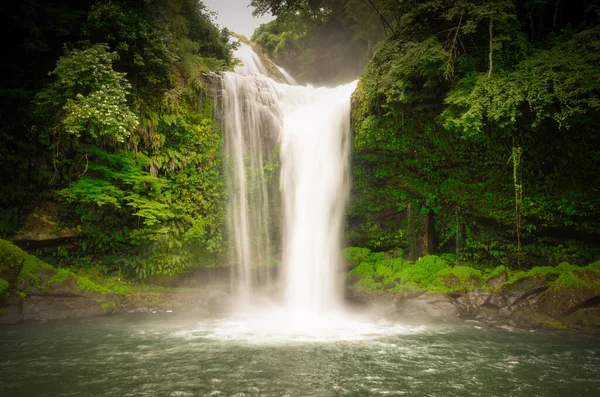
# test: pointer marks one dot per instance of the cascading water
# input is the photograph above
(287, 153)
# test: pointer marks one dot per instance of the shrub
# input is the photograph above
(355, 255)
(424, 272)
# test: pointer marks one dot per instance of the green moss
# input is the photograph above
(377, 256)
(108, 308)
(460, 278)
(11, 257)
(407, 288)
(385, 272)
(496, 272)
(382, 273)
(84, 284)
(3, 285)
(61, 276)
(31, 267)
(355, 255)
(543, 272)
(568, 280)
(368, 284)
(539, 320)
(423, 272)
(364, 269)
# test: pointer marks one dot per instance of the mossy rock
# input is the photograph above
(3, 285)
(537, 320)
(511, 293)
(494, 278)
(558, 302)
(11, 261)
(587, 317)
(460, 277)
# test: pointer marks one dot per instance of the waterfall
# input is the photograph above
(286, 156)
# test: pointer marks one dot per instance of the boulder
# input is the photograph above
(383, 307)
(559, 302)
(42, 283)
(472, 301)
(134, 305)
(45, 308)
(219, 302)
(435, 305)
(510, 294)
(587, 317)
(536, 320)
(497, 281)
(11, 309)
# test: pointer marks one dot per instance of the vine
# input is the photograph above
(517, 153)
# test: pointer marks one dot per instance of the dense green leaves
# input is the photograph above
(125, 134)
(441, 110)
(88, 97)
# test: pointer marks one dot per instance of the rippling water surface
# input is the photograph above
(274, 355)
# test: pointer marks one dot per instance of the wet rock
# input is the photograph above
(135, 305)
(46, 308)
(11, 315)
(558, 302)
(536, 320)
(68, 287)
(11, 310)
(487, 314)
(472, 301)
(11, 261)
(513, 293)
(435, 305)
(219, 302)
(43, 224)
(587, 317)
(383, 307)
(42, 284)
(496, 282)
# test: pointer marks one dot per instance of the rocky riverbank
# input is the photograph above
(563, 297)
(31, 289)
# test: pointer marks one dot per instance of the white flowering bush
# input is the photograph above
(89, 96)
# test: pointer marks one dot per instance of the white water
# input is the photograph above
(288, 77)
(287, 150)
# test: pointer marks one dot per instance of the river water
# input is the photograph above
(166, 355)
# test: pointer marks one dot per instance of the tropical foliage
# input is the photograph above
(475, 128)
(124, 132)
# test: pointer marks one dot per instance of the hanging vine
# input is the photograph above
(516, 156)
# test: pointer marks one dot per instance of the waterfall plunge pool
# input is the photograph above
(271, 355)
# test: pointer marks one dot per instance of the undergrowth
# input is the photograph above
(382, 273)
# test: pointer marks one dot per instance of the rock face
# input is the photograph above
(57, 305)
(511, 294)
(44, 308)
(43, 224)
(436, 305)
(558, 303)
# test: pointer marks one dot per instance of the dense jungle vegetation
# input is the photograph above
(104, 112)
(475, 124)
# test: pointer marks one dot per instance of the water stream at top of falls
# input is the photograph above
(287, 151)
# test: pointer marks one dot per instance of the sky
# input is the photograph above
(236, 16)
